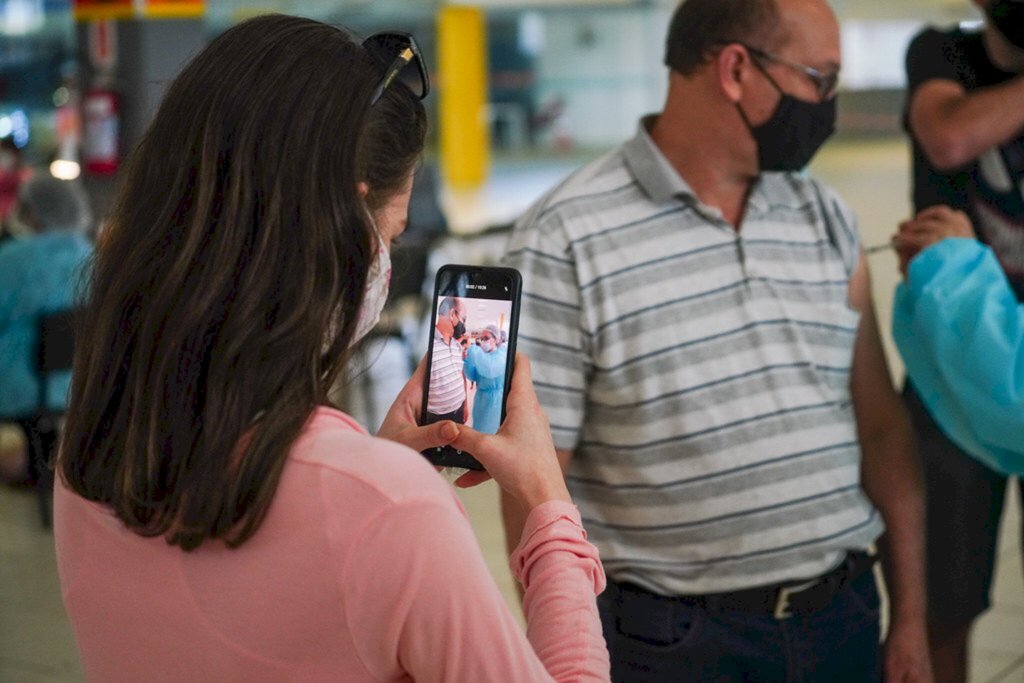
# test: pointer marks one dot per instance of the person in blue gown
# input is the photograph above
(960, 329)
(39, 274)
(485, 365)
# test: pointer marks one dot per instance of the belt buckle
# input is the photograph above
(781, 611)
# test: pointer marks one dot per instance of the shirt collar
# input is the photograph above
(652, 170)
(661, 182)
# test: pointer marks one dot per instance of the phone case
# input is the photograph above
(447, 456)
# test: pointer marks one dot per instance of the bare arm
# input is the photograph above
(513, 514)
(892, 480)
(954, 127)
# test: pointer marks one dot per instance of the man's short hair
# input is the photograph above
(448, 304)
(699, 27)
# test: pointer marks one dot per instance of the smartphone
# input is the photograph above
(470, 355)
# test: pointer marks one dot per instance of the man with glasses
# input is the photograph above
(965, 115)
(704, 341)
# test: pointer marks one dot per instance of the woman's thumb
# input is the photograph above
(431, 436)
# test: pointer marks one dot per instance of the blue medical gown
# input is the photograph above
(960, 330)
(38, 275)
(488, 371)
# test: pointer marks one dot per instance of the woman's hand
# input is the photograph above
(401, 424)
(931, 225)
(521, 456)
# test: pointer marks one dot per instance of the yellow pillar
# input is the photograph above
(462, 66)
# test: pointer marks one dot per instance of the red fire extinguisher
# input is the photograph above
(101, 119)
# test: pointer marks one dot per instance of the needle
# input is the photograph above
(879, 247)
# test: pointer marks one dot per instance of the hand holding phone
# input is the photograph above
(402, 424)
(473, 327)
(521, 457)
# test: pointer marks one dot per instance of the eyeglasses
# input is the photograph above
(826, 83)
(401, 56)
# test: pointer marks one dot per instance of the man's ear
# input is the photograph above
(363, 189)
(732, 63)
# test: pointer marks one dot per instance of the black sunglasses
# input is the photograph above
(399, 55)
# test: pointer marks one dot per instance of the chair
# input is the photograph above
(54, 354)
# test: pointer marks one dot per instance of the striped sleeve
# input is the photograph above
(551, 331)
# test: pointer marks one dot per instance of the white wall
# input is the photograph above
(607, 64)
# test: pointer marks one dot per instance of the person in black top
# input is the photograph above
(965, 115)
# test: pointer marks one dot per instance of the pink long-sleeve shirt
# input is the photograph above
(364, 569)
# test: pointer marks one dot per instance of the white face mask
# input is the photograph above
(488, 346)
(376, 295)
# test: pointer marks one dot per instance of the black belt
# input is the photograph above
(781, 601)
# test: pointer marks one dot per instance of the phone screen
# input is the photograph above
(470, 352)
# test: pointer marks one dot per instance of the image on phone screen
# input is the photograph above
(472, 340)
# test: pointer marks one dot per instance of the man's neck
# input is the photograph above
(447, 336)
(697, 153)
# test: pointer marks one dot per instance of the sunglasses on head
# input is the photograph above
(399, 56)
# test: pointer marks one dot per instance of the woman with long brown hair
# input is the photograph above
(215, 518)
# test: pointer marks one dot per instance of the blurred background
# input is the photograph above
(523, 92)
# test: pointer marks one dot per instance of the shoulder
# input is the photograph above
(573, 197)
(69, 248)
(12, 250)
(345, 455)
(928, 39)
(954, 54)
(800, 189)
(50, 249)
(796, 189)
(933, 42)
(839, 219)
(17, 258)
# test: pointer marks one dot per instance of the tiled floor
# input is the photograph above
(35, 640)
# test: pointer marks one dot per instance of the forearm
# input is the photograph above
(892, 479)
(562, 575)
(514, 513)
(960, 129)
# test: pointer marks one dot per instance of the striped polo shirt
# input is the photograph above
(701, 376)
(447, 381)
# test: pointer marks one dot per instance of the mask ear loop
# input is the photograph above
(375, 233)
(759, 67)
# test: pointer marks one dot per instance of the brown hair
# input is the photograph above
(699, 27)
(226, 289)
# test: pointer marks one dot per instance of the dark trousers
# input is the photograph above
(457, 416)
(42, 441)
(674, 639)
(964, 512)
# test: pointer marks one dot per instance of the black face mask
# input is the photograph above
(1008, 18)
(797, 129)
(459, 330)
